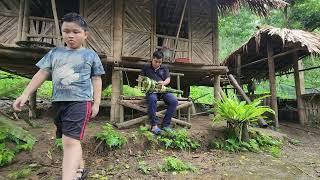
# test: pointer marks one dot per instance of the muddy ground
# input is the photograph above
(300, 161)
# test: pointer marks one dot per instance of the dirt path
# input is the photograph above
(300, 161)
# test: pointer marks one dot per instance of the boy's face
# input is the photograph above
(73, 35)
(156, 63)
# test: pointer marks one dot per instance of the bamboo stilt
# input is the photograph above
(20, 20)
(117, 51)
(25, 26)
(299, 90)
(56, 22)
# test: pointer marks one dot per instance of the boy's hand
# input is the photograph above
(19, 103)
(94, 110)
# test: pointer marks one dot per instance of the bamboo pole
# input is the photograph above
(238, 62)
(189, 31)
(20, 20)
(56, 22)
(25, 26)
(299, 88)
(179, 28)
(117, 51)
(215, 45)
(272, 83)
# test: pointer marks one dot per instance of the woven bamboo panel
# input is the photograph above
(8, 24)
(8, 29)
(201, 24)
(9, 6)
(137, 28)
(136, 45)
(202, 53)
(138, 15)
(98, 14)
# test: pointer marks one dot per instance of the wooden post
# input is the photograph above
(117, 51)
(153, 41)
(301, 74)
(215, 47)
(272, 83)
(25, 27)
(20, 20)
(299, 88)
(189, 31)
(179, 95)
(238, 62)
(56, 22)
(33, 105)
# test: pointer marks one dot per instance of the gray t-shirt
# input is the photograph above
(71, 72)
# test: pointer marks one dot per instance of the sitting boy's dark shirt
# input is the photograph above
(160, 74)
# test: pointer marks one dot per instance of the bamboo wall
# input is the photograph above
(140, 38)
(312, 108)
(201, 30)
(99, 15)
(9, 15)
(139, 28)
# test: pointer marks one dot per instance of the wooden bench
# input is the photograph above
(140, 104)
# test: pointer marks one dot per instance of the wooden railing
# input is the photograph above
(42, 30)
(183, 47)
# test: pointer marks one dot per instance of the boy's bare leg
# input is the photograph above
(72, 156)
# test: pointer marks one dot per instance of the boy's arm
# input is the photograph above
(34, 84)
(97, 88)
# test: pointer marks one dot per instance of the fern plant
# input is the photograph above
(112, 138)
(13, 139)
(174, 164)
(239, 113)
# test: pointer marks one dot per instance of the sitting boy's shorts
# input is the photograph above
(71, 118)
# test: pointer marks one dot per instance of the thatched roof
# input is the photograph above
(254, 53)
(260, 7)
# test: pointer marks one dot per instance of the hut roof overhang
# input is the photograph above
(284, 42)
(260, 7)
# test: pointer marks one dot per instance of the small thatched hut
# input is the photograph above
(274, 50)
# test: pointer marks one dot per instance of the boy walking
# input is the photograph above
(76, 78)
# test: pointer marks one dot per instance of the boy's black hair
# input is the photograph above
(157, 54)
(76, 18)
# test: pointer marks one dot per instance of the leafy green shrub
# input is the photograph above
(58, 143)
(6, 155)
(174, 164)
(144, 131)
(13, 139)
(178, 139)
(144, 168)
(175, 139)
(111, 137)
(258, 142)
(20, 174)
